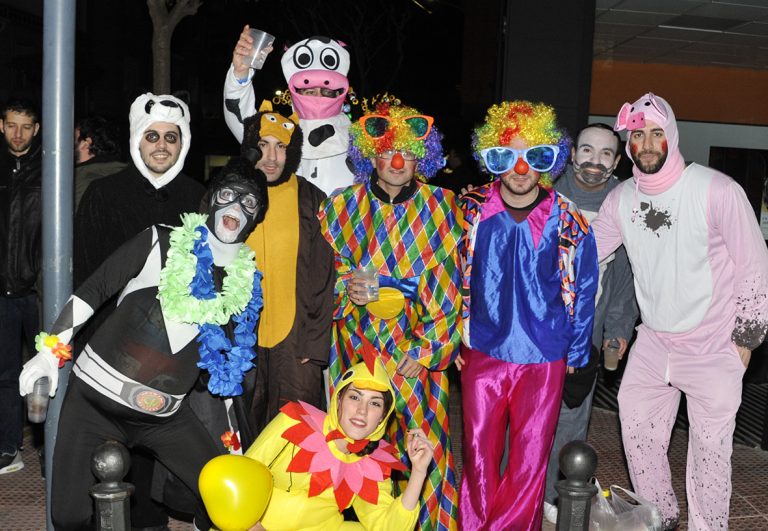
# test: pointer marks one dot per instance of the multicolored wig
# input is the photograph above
(533, 122)
(398, 135)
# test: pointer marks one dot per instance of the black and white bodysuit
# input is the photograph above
(130, 381)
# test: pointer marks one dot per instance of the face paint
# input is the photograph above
(648, 147)
(594, 157)
(232, 212)
(591, 174)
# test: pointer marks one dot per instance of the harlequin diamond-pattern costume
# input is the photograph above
(412, 245)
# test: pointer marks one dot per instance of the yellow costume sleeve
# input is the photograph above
(290, 507)
(387, 515)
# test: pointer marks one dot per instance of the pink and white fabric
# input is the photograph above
(635, 116)
(701, 279)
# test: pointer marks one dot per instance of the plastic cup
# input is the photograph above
(261, 41)
(370, 276)
(611, 355)
(37, 401)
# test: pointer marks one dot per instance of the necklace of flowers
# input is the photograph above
(187, 294)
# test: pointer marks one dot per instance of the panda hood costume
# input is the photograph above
(148, 109)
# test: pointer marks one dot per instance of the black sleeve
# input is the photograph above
(108, 279)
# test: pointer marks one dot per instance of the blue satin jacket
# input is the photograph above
(529, 287)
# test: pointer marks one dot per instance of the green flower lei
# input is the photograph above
(173, 291)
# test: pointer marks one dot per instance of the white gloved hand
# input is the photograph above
(43, 364)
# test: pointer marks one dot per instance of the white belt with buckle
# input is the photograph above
(101, 376)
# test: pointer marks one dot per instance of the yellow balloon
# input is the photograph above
(236, 490)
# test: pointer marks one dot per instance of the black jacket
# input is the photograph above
(20, 221)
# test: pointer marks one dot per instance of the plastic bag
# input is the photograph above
(618, 514)
(638, 514)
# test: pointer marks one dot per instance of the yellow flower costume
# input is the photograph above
(314, 481)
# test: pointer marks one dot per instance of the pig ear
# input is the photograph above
(621, 119)
(660, 108)
(342, 44)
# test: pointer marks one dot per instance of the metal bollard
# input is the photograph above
(110, 464)
(578, 462)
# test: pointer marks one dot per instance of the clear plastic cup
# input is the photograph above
(261, 41)
(370, 276)
(611, 355)
(37, 401)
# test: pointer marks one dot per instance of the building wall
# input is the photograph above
(704, 94)
(696, 138)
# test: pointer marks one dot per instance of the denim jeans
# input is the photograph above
(19, 323)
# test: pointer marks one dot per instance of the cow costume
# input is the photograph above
(317, 62)
(190, 298)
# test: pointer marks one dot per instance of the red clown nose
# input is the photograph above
(398, 161)
(521, 167)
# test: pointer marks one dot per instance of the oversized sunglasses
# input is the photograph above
(376, 126)
(502, 159)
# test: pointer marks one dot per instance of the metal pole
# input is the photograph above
(578, 462)
(58, 131)
(110, 463)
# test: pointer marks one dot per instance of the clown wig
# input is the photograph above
(398, 136)
(533, 122)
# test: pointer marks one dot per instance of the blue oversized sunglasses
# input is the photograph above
(500, 159)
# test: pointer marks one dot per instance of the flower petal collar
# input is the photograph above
(349, 477)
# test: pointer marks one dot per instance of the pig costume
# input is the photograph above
(701, 280)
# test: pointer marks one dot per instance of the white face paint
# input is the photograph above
(229, 223)
(595, 157)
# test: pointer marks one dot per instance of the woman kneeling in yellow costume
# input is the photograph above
(324, 463)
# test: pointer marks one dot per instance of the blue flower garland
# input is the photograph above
(225, 363)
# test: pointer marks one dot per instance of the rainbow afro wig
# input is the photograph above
(533, 122)
(397, 128)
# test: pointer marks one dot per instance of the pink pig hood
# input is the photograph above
(317, 62)
(634, 116)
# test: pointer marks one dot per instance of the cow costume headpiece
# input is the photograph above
(317, 62)
(148, 109)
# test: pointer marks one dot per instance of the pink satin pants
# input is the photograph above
(497, 394)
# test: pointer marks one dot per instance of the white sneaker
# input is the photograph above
(550, 513)
(11, 463)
